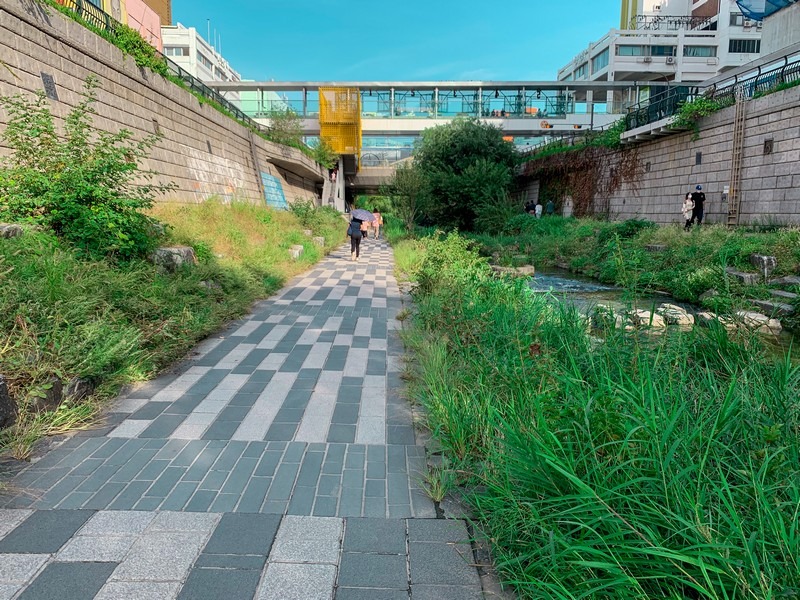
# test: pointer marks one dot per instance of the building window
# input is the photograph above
(581, 71)
(744, 46)
(737, 19)
(600, 61)
(662, 50)
(630, 50)
(176, 50)
(204, 61)
(700, 51)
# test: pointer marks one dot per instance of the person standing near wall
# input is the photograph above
(699, 199)
(550, 209)
(354, 233)
(687, 209)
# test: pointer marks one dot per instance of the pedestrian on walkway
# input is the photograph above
(365, 229)
(687, 209)
(550, 209)
(354, 232)
(377, 224)
(699, 199)
(538, 210)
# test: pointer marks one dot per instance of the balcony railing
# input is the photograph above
(753, 84)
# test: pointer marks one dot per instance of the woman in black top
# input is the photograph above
(354, 231)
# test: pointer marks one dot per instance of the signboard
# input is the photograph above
(273, 191)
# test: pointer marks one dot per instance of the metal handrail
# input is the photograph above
(99, 19)
(724, 92)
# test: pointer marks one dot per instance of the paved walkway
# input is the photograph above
(278, 463)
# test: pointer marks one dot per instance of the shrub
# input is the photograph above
(86, 186)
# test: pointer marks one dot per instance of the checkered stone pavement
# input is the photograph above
(278, 462)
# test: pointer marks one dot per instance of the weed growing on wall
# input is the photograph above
(86, 185)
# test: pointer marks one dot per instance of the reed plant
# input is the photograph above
(630, 466)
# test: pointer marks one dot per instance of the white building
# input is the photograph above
(669, 40)
(186, 48)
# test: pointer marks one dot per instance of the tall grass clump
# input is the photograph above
(627, 467)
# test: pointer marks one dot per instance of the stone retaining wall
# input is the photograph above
(204, 152)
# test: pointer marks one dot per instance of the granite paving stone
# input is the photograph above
(278, 461)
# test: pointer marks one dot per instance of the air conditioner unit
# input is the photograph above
(747, 23)
(647, 59)
(759, 24)
(670, 60)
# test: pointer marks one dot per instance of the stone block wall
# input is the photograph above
(202, 151)
(770, 189)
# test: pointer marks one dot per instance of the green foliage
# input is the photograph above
(663, 467)
(690, 113)
(87, 185)
(406, 189)
(462, 166)
(324, 154)
(607, 138)
(285, 127)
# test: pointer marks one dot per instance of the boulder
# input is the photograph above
(785, 295)
(296, 251)
(773, 307)
(8, 408)
(319, 241)
(172, 258)
(78, 389)
(562, 264)
(645, 318)
(52, 396)
(764, 263)
(788, 281)
(744, 278)
(676, 315)
(525, 271)
(655, 248)
(10, 231)
(210, 285)
(707, 317)
(308, 232)
(758, 322)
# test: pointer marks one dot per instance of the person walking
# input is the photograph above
(537, 210)
(699, 199)
(365, 229)
(550, 209)
(377, 224)
(354, 232)
(687, 209)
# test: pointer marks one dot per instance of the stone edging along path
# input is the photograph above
(278, 462)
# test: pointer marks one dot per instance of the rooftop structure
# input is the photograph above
(187, 48)
(670, 41)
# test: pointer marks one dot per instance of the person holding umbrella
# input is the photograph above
(358, 217)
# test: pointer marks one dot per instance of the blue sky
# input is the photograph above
(356, 40)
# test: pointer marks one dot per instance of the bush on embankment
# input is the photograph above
(64, 314)
(617, 252)
(662, 467)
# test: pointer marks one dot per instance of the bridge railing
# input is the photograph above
(95, 17)
(751, 83)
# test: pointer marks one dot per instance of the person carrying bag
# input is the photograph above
(354, 232)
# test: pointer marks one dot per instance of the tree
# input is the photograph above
(285, 127)
(406, 189)
(464, 165)
(324, 154)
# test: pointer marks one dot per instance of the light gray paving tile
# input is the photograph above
(139, 590)
(274, 319)
(309, 336)
(11, 517)
(213, 406)
(96, 548)
(377, 344)
(238, 354)
(117, 522)
(128, 405)
(273, 361)
(193, 426)
(334, 323)
(160, 557)
(379, 303)
(308, 540)
(371, 430)
(314, 427)
(343, 339)
(130, 428)
(285, 581)
(373, 402)
(184, 522)
(356, 364)
(255, 425)
(347, 301)
(247, 328)
(232, 382)
(20, 568)
(206, 346)
(9, 590)
(317, 356)
(329, 382)
(364, 324)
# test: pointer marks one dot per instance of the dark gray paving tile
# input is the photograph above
(446, 592)
(345, 414)
(201, 501)
(379, 536)
(373, 571)
(342, 433)
(325, 506)
(179, 496)
(375, 507)
(162, 426)
(44, 532)
(240, 476)
(282, 431)
(104, 496)
(242, 533)
(128, 498)
(224, 503)
(213, 584)
(343, 593)
(231, 561)
(294, 452)
(442, 564)
(267, 464)
(437, 530)
(244, 399)
(150, 411)
(400, 434)
(221, 430)
(166, 481)
(302, 501)
(254, 494)
(62, 581)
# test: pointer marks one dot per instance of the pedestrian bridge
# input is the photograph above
(387, 117)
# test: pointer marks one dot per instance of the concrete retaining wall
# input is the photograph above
(202, 151)
(675, 164)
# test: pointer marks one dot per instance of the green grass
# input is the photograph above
(642, 467)
(114, 324)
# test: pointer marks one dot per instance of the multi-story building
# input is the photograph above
(669, 41)
(186, 48)
(163, 8)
